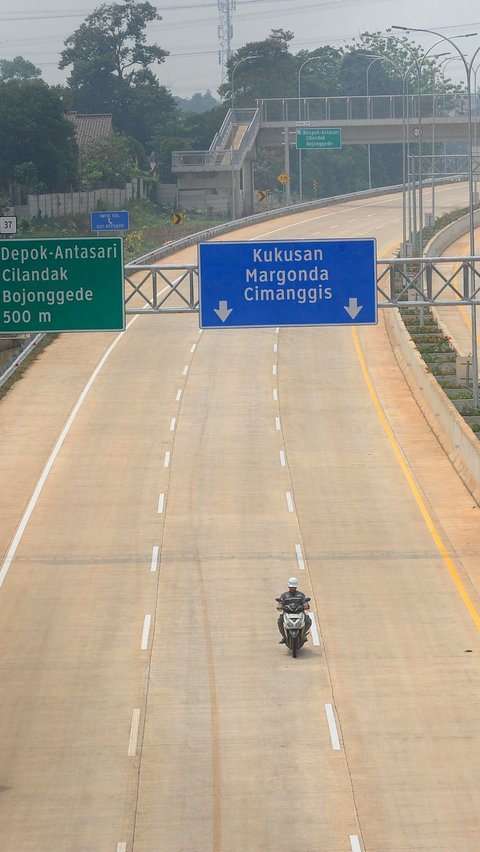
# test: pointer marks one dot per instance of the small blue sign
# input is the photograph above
(116, 220)
(321, 282)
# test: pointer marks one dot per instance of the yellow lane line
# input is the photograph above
(413, 487)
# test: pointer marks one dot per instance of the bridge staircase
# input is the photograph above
(220, 180)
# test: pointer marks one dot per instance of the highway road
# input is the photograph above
(158, 489)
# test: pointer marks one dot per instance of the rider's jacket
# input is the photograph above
(293, 601)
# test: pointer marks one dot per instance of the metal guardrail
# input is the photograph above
(364, 107)
(418, 282)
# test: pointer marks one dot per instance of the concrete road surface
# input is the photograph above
(145, 702)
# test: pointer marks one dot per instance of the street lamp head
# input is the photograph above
(421, 30)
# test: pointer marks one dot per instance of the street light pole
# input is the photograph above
(300, 176)
(243, 59)
(369, 116)
(468, 72)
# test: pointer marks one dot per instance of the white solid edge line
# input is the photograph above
(288, 495)
(278, 424)
(283, 460)
(121, 847)
(53, 455)
(166, 462)
(300, 559)
(173, 422)
(179, 393)
(314, 631)
(332, 727)
(161, 503)
(355, 843)
(132, 743)
(154, 562)
(145, 632)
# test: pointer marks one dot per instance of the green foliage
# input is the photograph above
(270, 75)
(198, 103)
(144, 108)
(318, 72)
(4, 203)
(336, 172)
(108, 161)
(18, 69)
(199, 129)
(35, 135)
(108, 54)
(398, 55)
(132, 244)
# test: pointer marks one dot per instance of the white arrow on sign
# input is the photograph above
(353, 308)
(223, 311)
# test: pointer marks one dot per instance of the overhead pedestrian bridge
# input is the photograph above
(222, 178)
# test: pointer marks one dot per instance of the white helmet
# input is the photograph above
(293, 583)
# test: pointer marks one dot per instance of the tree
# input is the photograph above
(200, 128)
(146, 105)
(270, 75)
(108, 53)
(108, 161)
(18, 69)
(197, 103)
(399, 54)
(319, 72)
(35, 136)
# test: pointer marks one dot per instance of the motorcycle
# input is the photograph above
(294, 625)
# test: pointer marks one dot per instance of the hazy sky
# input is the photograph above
(37, 29)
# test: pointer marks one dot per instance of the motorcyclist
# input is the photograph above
(293, 595)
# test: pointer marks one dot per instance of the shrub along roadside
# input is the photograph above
(151, 226)
(440, 357)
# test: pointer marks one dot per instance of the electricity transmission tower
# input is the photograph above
(225, 34)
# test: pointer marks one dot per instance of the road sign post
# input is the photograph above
(310, 138)
(62, 285)
(283, 283)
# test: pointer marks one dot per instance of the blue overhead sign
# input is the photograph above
(115, 220)
(258, 284)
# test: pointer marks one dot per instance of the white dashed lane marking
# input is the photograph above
(132, 743)
(300, 559)
(145, 632)
(154, 562)
(332, 727)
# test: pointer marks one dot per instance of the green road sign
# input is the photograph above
(309, 138)
(62, 285)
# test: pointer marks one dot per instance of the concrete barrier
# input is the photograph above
(457, 439)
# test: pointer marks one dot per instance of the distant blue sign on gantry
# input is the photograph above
(284, 283)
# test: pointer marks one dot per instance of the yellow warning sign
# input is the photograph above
(262, 195)
(178, 218)
(283, 178)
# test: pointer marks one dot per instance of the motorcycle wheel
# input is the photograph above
(294, 645)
